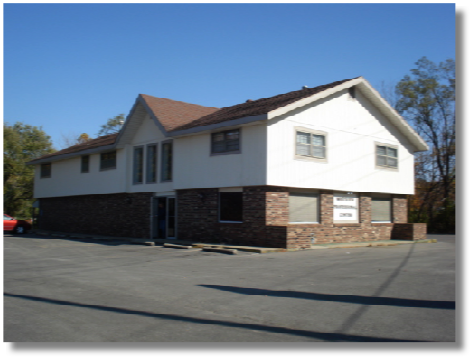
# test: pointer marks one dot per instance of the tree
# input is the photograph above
(427, 99)
(21, 143)
(72, 139)
(113, 125)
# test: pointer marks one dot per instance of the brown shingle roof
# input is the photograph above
(94, 143)
(176, 115)
(257, 107)
(172, 114)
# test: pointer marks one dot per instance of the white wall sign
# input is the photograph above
(346, 208)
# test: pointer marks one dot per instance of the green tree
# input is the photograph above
(21, 143)
(113, 125)
(427, 100)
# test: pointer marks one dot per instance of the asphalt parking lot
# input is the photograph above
(59, 290)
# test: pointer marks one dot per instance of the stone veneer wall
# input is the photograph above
(123, 214)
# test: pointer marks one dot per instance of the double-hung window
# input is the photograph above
(310, 145)
(387, 156)
(45, 169)
(107, 161)
(85, 164)
(226, 141)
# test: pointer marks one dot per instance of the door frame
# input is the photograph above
(154, 221)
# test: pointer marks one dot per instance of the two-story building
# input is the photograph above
(333, 163)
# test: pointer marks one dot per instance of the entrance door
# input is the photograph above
(164, 218)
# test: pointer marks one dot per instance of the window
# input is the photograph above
(303, 207)
(45, 170)
(166, 168)
(231, 206)
(346, 208)
(381, 209)
(108, 161)
(138, 165)
(387, 156)
(226, 141)
(310, 145)
(151, 164)
(85, 164)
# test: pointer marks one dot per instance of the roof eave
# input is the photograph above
(231, 123)
(66, 156)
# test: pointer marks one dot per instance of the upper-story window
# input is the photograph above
(45, 170)
(310, 144)
(166, 161)
(226, 141)
(138, 165)
(85, 164)
(387, 156)
(151, 164)
(107, 161)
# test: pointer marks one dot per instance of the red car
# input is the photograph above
(17, 226)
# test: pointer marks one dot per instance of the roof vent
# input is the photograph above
(249, 100)
(305, 87)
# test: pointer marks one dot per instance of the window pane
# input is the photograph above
(138, 164)
(318, 140)
(392, 152)
(232, 135)
(302, 137)
(319, 152)
(167, 161)
(217, 137)
(392, 162)
(108, 160)
(45, 170)
(381, 160)
(381, 209)
(381, 150)
(151, 163)
(85, 164)
(231, 206)
(303, 207)
(304, 150)
(233, 145)
(218, 147)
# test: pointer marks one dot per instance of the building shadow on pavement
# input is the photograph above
(354, 299)
(319, 336)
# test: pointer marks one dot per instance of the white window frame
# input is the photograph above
(311, 132)
(387, 146)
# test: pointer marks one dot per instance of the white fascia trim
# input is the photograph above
(398, 121)
(305, 101)
(364, 86)
(231, 123)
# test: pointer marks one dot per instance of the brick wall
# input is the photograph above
(266, 215)
(405, 231)
(124, 214)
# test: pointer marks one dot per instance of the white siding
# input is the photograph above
(195, 167)
(148, 133)
(353, 127)
(67, 179)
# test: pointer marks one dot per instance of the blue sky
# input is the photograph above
(70, 67)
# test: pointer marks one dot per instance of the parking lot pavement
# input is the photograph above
(89, 291)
